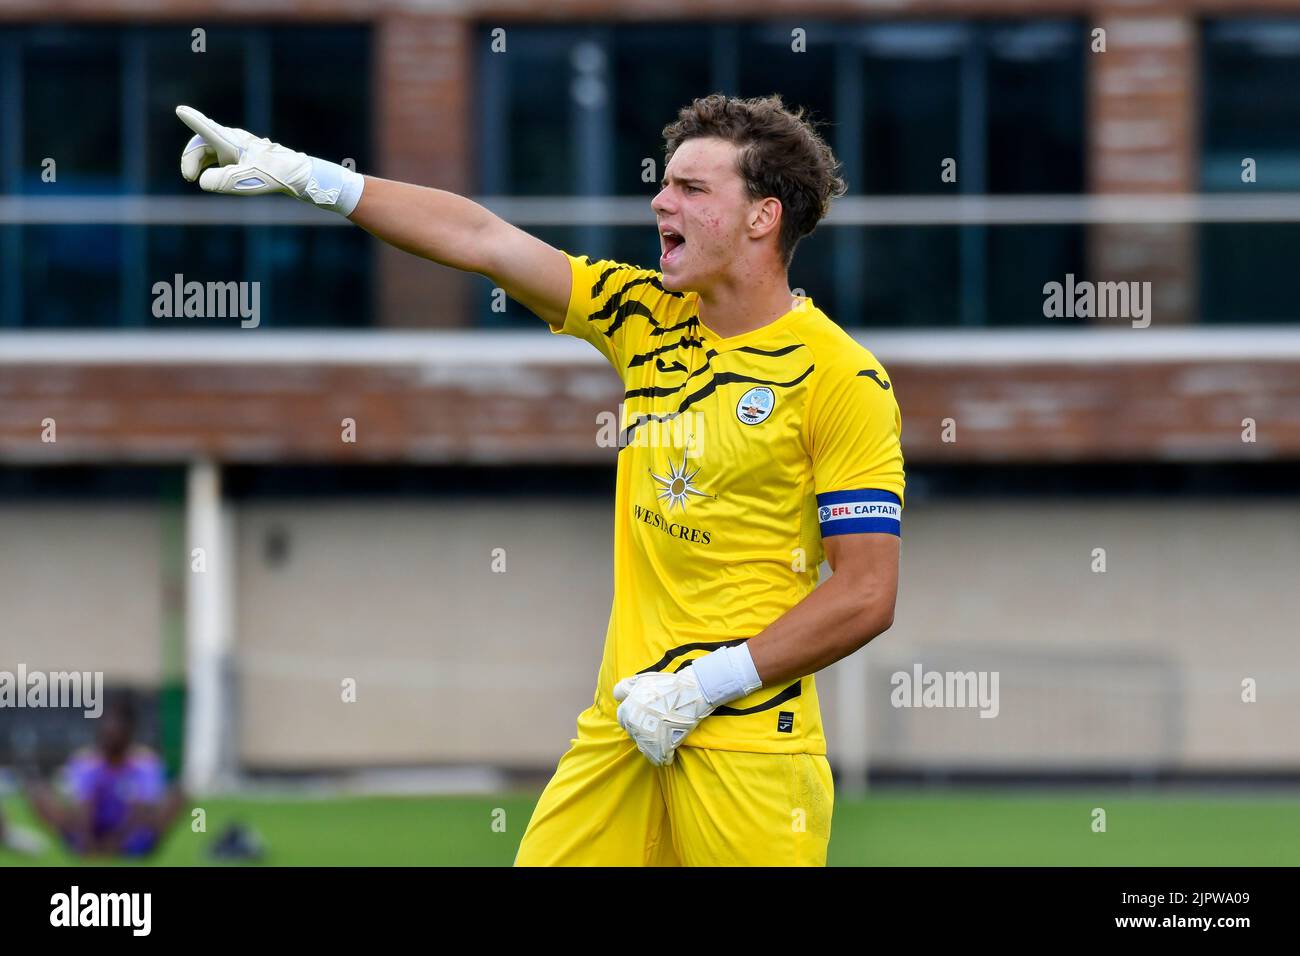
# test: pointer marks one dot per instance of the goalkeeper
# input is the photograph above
(704, 742)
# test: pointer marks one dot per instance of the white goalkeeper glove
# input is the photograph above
(234, 162)
(658, 710)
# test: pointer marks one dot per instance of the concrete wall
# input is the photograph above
(80, 589)
(1144, 662)
(1141, 665)
(452, 661)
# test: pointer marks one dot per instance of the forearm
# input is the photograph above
(658, 709)
(433, 224)
(829, 624)
(430, 223)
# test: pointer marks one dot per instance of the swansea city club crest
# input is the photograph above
(755, 405)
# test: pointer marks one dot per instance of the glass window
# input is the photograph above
(1251, 103)
(306, 86)
(71, 276)
(911, 107)
(320, 92)
(199, 254)
(338, 294)
(1022, 259)
(10, 137)
(894, 99)
(1036, 108)
(768, 63)
(533, 102)
(320, 99)
(212, 82)
(913, 275)
(1251, 109)
(1247, 270)
(88, 152)
(656, 72)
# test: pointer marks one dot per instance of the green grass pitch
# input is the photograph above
(889, 829)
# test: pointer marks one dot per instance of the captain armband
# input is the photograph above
(854, 512)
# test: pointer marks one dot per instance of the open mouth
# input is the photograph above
(672, 243)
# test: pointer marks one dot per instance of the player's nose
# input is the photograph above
(659, 204)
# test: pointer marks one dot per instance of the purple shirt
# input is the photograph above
(111, 789)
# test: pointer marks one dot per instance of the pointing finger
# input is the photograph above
(214, 134)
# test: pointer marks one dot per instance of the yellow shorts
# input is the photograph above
(609, 806)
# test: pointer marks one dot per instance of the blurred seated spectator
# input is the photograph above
(114, 799)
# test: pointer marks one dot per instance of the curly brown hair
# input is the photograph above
(781, 155)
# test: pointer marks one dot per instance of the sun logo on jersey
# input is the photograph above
(676, 486)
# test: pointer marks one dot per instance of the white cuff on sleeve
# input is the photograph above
(334, 187)
(727, 674)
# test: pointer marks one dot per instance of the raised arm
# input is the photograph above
(434, 224)
(449, 229)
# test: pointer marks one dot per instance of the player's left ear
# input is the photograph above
(766, 217)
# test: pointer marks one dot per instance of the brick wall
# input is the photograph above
(1142, 140)
(424, 132)
(531, 398)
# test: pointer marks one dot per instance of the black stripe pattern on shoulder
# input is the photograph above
(662, 391)
(686, 341)
(719, 378)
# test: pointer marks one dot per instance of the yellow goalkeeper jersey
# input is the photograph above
(737, 456)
